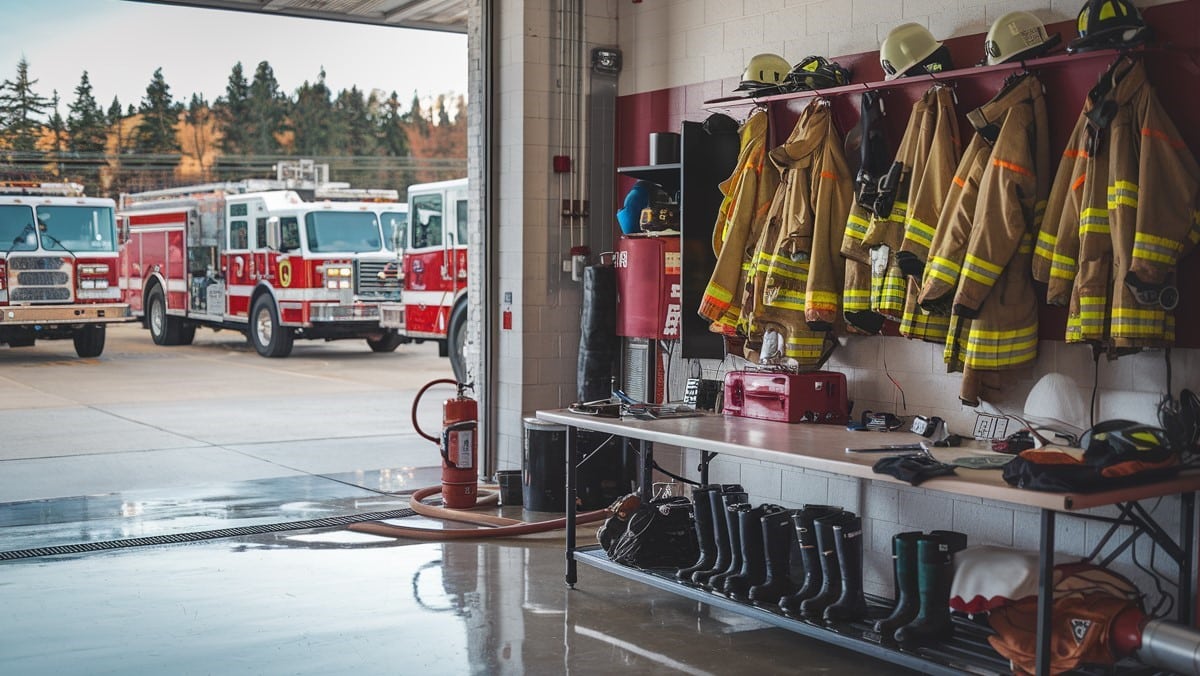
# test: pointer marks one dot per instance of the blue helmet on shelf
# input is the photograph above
(638, 198)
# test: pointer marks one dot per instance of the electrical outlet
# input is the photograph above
(990, 426)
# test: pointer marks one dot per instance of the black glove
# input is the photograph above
(913, 468)
(910, 265)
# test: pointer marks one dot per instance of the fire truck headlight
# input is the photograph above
(99, 269)
(344, 284)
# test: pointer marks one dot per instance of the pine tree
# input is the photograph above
(352, 111)
(199, 118)
(232, 110)
(21, 110)
(86, 124)
(266, 112)
(318, 130)
(160, 115)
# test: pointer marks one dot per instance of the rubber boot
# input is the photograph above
(831, 576)
(935, 574)
(904, 570)
(810, 554)
(720, 531)
(702, 499)
(777, 535)
(851, 604)
(754, 561)
(717, 582)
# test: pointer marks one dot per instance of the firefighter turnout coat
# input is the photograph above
(747, 197)
(979, 261)
(793, 303)
(1129, 213)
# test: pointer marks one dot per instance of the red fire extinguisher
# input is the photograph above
(460, 426)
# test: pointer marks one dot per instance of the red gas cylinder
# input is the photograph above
(460, 425)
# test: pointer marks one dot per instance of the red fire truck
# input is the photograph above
(432, 252)
(294, 257)
(58, 266)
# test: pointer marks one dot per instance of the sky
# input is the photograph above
(120, 44)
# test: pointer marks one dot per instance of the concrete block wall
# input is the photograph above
(673, 44)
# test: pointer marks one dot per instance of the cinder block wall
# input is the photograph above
(675, 44)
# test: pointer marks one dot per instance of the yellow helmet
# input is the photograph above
(1016, 35)
(764, 71)
(909, 46)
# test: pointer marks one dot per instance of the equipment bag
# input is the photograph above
(657, 534)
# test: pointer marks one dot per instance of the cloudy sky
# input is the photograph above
(120, 43)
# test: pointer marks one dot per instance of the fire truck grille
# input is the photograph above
(377, 280)
(40, 279)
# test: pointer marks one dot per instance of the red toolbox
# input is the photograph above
(649, 295)
(814, 397)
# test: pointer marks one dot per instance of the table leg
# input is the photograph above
(1187, 543)
(646, 473)
(1045, 592)
(572, 470)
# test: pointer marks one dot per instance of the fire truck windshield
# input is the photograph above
(77, 229)
(395, 225)
(342, 231)
(17, 231)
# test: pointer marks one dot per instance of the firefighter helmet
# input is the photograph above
(1109, 23)
(1016, 35)
(816, 72)
(661, 212)
(636, 199)
(910, 49)
(764, 73)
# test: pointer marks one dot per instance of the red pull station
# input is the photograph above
(562, 164)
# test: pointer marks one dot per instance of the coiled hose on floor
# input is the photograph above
(497, 526)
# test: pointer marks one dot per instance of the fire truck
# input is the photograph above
(432, 254)
(294, 257)
(58, 266)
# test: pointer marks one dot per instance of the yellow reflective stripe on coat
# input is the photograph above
(856, 227)
(1026, 245)
(806, 346)
(856, 299)
(1094, 221)
(1138, 323)
(822, 300)
(980, 270)
(921, 325)
(899, 212)
(944, 269)
(1123, 193)
(1000, 349)
(918, 232)
(1045, 245)
(1154, 248)
(1062, 267)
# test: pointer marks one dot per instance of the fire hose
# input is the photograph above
(497, 526)
(458, 475)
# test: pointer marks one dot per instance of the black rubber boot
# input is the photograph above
(935, 574)
(810, 554)
(777, 535)
(754, 560)
(851, 604)
(720, 531)
(702, 499)
(717, 582)
(831, 576)
(904, 568)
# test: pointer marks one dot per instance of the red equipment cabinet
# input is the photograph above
(649, 293)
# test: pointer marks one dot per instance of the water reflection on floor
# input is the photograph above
(337, 602)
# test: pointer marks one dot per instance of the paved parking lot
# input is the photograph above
(144, 416)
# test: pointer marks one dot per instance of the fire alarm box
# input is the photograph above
(649, 293)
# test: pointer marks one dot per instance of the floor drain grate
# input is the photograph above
(196, 536)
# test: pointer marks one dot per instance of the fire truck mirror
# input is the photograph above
(122, 230)
(273, 233)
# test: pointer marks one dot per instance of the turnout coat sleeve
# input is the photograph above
(1061, 221)
(747, 197)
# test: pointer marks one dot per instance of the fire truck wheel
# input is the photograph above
(164, 328)
(386, 343)
(269, 337)
(456, 340)
(187, 333)
(89, 341)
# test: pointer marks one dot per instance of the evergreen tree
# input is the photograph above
(318, 130)
(21, 110)
(160, 116)
(352, 111)
(57, 126)
(86, 124)
(199, 119)
(266, 112)
(415, 118)
(392, 139)
(232, 111)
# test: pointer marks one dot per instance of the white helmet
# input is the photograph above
(907, 46)
(1016, 35)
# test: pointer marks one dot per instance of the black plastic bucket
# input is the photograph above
(608, 472)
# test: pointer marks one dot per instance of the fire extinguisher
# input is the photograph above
(460, 425)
